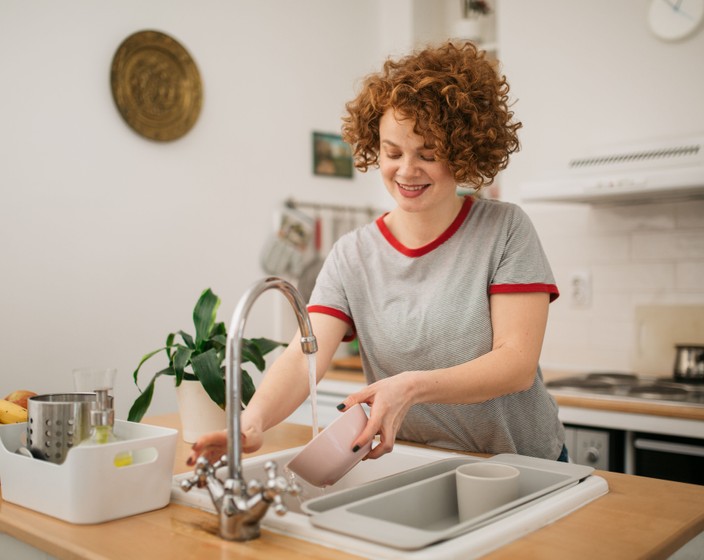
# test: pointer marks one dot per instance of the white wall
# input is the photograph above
(107, 238)
(586, 74)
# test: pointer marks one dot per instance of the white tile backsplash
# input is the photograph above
(689, 277)
(644, 254)
(689, 215)
(629, 277)
(658, 329)
(571, 249)
(632, 217)
(669, 246)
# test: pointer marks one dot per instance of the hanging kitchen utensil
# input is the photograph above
(306, 281)
(286, 250)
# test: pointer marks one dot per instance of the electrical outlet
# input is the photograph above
(580, 289)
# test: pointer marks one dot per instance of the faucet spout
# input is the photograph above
(241, 506)
(233, 359)
(240, 511)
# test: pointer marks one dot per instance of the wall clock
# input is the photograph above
(156, 85)
(672, 20)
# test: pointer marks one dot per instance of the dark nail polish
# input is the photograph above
(355, 449)
(341, 406)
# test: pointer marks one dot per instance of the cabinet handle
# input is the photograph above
(669, 447)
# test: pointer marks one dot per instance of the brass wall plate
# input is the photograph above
(156, 85)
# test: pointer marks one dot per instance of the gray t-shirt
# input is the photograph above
(428, 308)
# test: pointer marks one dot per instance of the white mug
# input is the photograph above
(484, 486)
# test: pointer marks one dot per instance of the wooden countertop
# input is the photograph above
(638, 518)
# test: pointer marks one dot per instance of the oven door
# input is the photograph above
(669, 457)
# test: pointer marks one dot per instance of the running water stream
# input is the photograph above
(312, 385)
(308, 491)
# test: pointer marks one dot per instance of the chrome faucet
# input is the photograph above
(241, 506)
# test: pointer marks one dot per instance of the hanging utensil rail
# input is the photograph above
(370, 211)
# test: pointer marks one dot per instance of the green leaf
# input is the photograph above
(142, 402)
(219, 329)
(251, 353)
(206, 366)
(218, 342)
(255, 349)
(187, 339)
(265, 345)
(182, 358)
(248, 387)
(169, 344)
(144, 359)
(204, 316)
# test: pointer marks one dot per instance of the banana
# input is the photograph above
(11, 413)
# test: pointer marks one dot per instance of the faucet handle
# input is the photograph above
(203, 473)
(222, 462)
(275, 486)
(200, 475)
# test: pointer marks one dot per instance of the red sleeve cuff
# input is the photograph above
(351, 333)
(525, 288)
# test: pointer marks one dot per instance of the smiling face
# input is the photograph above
(412, 175)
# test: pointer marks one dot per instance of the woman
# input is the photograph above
(447, 295)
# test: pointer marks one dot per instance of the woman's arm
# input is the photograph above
(284, 387)
(518, 323)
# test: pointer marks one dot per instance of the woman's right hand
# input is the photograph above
(213, 445)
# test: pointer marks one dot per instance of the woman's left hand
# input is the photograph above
(389, 401)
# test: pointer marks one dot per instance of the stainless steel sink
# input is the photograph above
(482, 540)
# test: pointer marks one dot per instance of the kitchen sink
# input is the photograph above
(373, 479)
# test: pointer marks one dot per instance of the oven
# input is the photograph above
(645, 445)
(597, 447)
(669, 457)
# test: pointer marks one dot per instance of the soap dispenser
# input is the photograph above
(102, 420)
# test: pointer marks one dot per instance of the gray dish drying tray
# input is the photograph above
(418, 507)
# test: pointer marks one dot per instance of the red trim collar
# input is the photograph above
(420, 251)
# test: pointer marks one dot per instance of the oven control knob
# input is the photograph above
(593, 455)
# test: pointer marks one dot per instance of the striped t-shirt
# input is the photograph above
(428, 308)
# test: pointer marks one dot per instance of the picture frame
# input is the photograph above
(332, 156)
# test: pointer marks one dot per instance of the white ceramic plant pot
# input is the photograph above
(199, 414)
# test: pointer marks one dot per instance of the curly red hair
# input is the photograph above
(458, 103)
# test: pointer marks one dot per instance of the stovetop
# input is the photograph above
(631, 387)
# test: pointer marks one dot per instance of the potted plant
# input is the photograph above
(202, 359)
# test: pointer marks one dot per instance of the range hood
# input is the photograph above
(645, 172)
